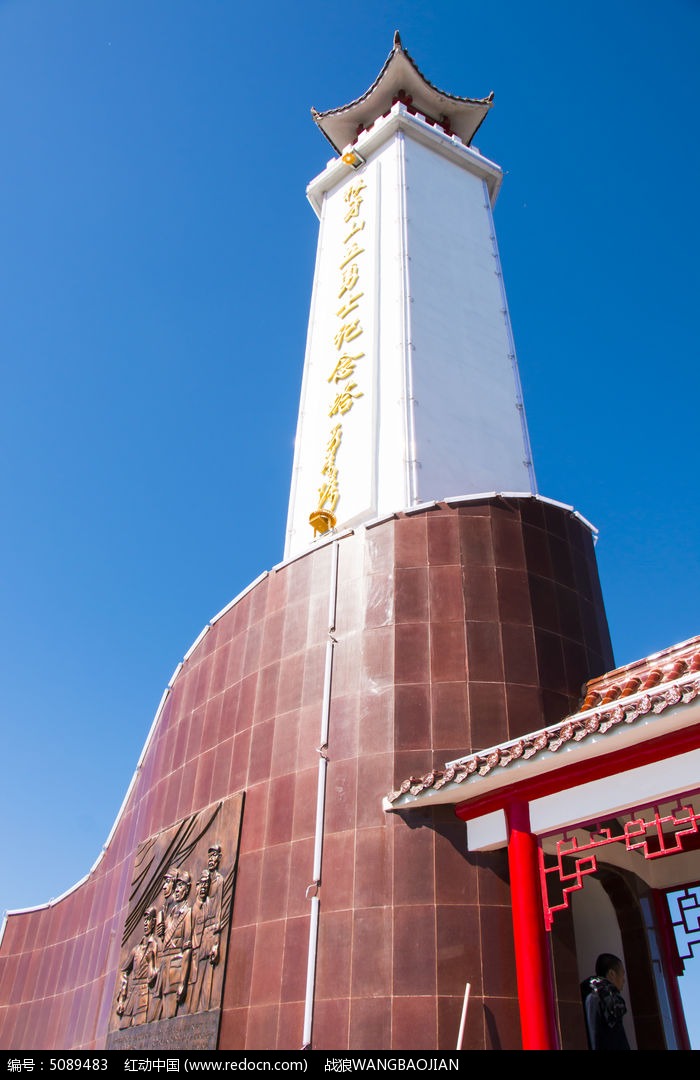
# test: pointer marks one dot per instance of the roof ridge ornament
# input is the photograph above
(400, 80)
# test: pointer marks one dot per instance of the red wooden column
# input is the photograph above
(535, 992)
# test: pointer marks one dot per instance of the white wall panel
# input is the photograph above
(468, 426)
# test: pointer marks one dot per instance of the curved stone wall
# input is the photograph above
(456, 627)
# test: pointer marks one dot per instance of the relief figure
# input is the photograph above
(205, 944)
(168, 901)
(176, 953)
(138, 976)
(216, 880)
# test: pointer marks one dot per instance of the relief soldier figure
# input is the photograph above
(216, 880)
(205, 944)
(176, 955)
(155, 1009)
(167, 889)
(142, 966)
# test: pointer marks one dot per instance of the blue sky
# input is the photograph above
(157, 258)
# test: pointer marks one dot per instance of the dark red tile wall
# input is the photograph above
(456, 628)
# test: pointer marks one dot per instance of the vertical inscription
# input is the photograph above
(348, 353)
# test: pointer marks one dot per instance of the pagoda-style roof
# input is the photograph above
(400, 80)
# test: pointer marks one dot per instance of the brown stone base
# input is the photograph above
(198, 1032)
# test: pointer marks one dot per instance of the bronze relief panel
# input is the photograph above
(173, 955)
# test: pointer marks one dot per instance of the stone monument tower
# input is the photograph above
(290, 867)
(411, 390)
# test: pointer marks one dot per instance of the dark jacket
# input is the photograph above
(605, 1009)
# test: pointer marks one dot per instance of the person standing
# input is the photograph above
(605, 1006)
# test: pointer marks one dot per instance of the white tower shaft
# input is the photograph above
(411, 390)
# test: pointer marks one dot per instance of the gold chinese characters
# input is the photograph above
(343, 370)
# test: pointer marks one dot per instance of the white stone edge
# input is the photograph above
(457, 500)
(382, 129)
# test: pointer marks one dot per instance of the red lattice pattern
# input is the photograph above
(653, 831)
(684, 910)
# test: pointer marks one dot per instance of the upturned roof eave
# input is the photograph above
(401, 73)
